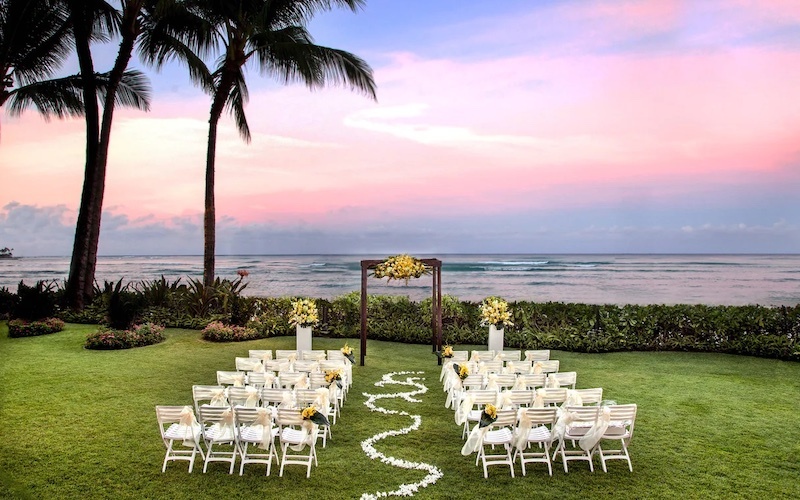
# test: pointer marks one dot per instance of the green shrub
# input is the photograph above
(138, 336)
(8, 301)
(220, 332)
(21, 328)
(35, 302)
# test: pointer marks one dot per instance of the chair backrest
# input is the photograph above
(533, 381)
(482, 355)
(231, 378)
(460, 356)
(549, 366)
(519, 366)
(247, 416)
(473, 382)
(291, 379)
(509, 355)
(565, 379)
(305, 397)
(248, 364)
(274, 397)
(289, 417)
(506, 381)
(521, 398)
(262, 354)
(482, 398)
(538, 355)
(276, 365)
(307, 366)
(491, 366)
(316, 380)
(313, 355)
(554, 396)
(215, 414)
(505, 418)
(583, 413)
(623, 415)
(591, 396)
(167, 415)
(244, 396)
(335, 354)
(259, 379)
(213, 395)
(285, 354)
(542, 416)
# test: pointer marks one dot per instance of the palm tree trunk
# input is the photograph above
(129, 32)
(75, 291)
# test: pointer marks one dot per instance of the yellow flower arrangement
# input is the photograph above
(447, 351)
(304, 313)
(488, 415)
(495, 311)
(401, 267)
(309, 412)
(462, 370)
(333, 375)
(313, 415)
(348, 353)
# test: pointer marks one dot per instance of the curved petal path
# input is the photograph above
(434, 473)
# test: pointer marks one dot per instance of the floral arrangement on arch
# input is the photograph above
(401, 267)
(495, 311)
(304, 313)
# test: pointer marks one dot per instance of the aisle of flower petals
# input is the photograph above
(434, 473)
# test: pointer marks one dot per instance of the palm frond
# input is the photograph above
(58, 98)
(133, 90)
(237, 99)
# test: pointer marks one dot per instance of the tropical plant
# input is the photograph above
(273, 34)
(35, 302)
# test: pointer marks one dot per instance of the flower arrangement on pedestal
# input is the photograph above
(495, 311)
(304, 313)
(401, 267)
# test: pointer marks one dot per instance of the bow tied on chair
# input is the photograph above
(252, 396)
(238, 379)
(552, 382)
(189, 426)
(509, 367)
(563, 419)
(218, 397)
(475, 357)
(500, 357)
(504, 400)
(519, 384)
(593, 435)
(573, 399)
(491, 385)
(538, 399)
(264, 419)
(523, 429)
(537, 367)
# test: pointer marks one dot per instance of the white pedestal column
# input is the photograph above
(303, 338)
(495, 339)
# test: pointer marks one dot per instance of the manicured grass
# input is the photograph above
(81, 424)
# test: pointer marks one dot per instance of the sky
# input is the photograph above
(512, 126)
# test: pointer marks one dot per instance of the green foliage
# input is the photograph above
(220, 332)
(124, 306)
(35, 302)
(8, 301)
(21, 328)
(138, 336)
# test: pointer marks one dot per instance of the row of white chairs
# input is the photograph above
(578, 432)
(228, 433)
(313, 354)
(492, 355)
(499, 366)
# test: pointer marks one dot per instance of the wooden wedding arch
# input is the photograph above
(436, 303)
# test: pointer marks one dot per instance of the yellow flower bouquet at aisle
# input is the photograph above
(462, 370)
(348, 353)
(313, 415)
(495, 311)
(488, 415)
(333, 376)
(304, 313)
(401, 267)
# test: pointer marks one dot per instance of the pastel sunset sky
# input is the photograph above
(512, 126)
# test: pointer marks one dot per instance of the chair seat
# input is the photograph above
(252, 435)
(474, 415)
(179, 432)
(291, 436)
(539, 434)
(500, 436)
(220, 434)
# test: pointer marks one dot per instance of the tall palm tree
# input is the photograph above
(153, 26)
(273, 34)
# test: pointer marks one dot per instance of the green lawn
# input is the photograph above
(81, 424)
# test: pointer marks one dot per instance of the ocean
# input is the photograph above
(593, 279)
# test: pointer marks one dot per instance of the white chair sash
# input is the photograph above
(593, 435)
(538, 399)
(537, 367)
(475, 440)
(189, 427)
(573, 399)
(462, 410)
(308, 436)
(263, 423)
(564, 418)
(504, 400)
(509, 367)
(519, 384)
(523, 429)
(491, 385)
(252, 397)
(219, 397)
(286, 400)
(552, 382)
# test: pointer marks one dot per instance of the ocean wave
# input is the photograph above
(515, 262)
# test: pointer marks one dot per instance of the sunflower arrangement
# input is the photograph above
(401, 267)
(446, 352)
(332, 376)
(348, 353)
(304, 313)
(313, 415)
(495, 311)
(488, 415)
(461, 370)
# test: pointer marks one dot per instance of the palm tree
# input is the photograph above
(273, 34)
(152, 25)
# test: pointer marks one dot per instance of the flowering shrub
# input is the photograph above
(495, 311)
(304, 313)
(138, 336)
(219, 332)
(21, 328)
(401, 267)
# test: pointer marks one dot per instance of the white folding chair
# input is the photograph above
(518, 367)
(262, 354)
(248, 364)
(291, 380)
(295, 435)
(516, 399)
(488, 367)
(178, 427)
(577, 421)
(479, 400)
(286, 354)
(311, 397)
(481, 356)
(219, 429)
(255, 437)
(507, 356)
(236, 379)
(260, 379)
(620, 428)
(313, 355)
(533, 381)
(549, 366)
(249, 397)
(537, 355)
(535, 428)
(562, 379)
(271, 397)
(500, 433)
